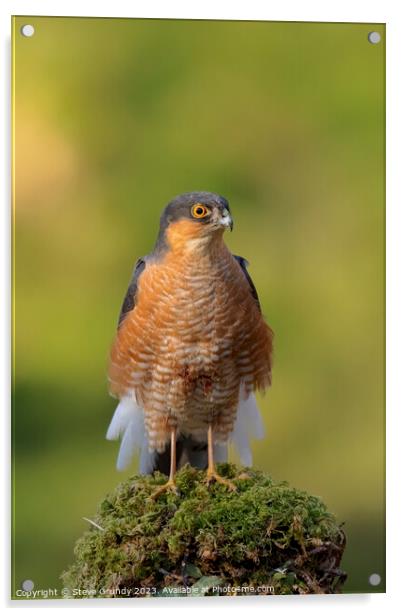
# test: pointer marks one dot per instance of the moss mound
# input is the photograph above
(265, 538)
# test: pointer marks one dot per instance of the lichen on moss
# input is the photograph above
(266, 537)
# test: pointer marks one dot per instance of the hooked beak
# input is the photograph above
(226, 220)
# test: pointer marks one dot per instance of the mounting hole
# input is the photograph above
(28, 30)
(28, 585)
(374, 37)
(374, 579)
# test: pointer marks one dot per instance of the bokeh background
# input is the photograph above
(113, 117)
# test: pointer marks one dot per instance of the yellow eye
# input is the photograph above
(199, 211)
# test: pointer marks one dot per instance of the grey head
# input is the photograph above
(203, 208)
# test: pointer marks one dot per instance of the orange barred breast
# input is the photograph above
(194, 335)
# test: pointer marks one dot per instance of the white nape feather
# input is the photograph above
(248, 425)
(128, 423)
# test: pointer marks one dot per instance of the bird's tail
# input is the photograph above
(128, 424)
(248, 426)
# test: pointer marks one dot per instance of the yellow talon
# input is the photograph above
(212, 473)
(169, 486)
(214, 476)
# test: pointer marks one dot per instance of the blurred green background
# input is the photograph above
(113, 117)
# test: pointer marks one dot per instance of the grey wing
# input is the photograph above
(243, 264)
(129, 300)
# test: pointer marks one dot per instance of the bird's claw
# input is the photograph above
(169, 486)
(214, 476)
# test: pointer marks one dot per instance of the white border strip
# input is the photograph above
(285, 10)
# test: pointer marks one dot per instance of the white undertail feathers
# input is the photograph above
(128, 424)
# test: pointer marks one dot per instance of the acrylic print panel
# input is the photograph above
(112, 119)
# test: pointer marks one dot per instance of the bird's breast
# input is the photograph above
(198, 314)
(189, 334)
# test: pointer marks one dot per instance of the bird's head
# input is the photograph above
(193, 219)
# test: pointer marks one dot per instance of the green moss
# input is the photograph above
(264, 534)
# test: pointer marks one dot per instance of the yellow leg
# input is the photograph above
(212, 474)
(170, 485)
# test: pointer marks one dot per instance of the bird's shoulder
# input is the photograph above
(243, 263)
(131, 294)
